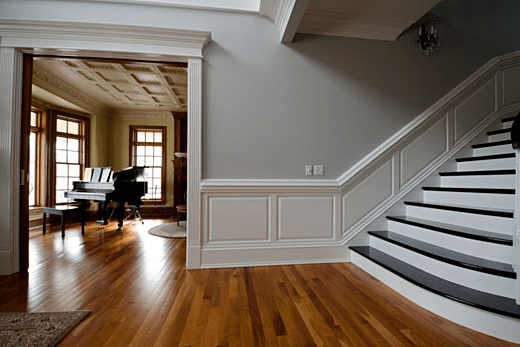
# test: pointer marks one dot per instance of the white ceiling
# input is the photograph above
(368, 19)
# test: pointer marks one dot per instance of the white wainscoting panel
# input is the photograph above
(306, 218)
(238, 219)
(423, 150)
(511, 85)
(367, 195)
(475, 108)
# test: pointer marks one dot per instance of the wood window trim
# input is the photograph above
(40, 131)
(131, 150)
(51, 149)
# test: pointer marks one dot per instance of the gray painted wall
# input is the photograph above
(270, 109)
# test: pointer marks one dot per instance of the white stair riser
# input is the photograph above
(494, 164)
(487, 322)
(499, 137)
(479, 181)
(507, 125)
(493, 150)
(504, 201)
(500, 225)
(481, 249)
(488, 283)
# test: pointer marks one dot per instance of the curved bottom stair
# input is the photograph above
(452, 252)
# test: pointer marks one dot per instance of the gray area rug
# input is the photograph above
(169, 230)
(42, 329)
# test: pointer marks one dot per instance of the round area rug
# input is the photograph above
(169, 230)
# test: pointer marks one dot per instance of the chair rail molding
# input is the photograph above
(71, 39)
(300, 215)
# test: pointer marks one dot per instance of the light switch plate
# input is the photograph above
(308, 170)
(318, 170)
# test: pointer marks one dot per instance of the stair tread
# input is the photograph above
(446, 255)
(471, 190)
(492, 144)
(456, 230)
(478, 173)
(487, 157)
(508, 119)
(489, 302)
(466, 209)
(499, 131)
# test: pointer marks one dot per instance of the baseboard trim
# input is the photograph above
(213, 258)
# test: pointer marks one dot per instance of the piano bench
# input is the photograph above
(62, 211)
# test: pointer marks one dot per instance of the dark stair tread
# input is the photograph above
(487, 157)
(499, 131)
(508, 119)
(465, 209)
(478, 173)
(446, 255)
(455, 230)
(492, 144)
(471, 190)
(482, 300)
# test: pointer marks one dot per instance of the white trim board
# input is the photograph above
(96, 40)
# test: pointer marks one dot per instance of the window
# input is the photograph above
(35, 141)
(70, 153)
(148, 148)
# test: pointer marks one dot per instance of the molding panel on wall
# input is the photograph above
(361, 199)
(250, 221)
(511, 85)
(423, 150)
(307, 217)
(474, 108)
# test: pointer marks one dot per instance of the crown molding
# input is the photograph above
(143, 114)
(56, 86)
(351, 25)
(238, 6)
(276, 10)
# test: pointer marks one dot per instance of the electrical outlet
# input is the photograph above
(308, 170)
(318, 170)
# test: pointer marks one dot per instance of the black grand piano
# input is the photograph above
(106, 186)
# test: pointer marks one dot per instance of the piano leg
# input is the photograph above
(102, 213)
(83, 211)
(120, 214)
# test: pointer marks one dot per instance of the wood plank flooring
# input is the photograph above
(140, 294)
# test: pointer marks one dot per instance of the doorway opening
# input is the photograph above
(89, 112)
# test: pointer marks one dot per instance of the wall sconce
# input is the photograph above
(428, 41)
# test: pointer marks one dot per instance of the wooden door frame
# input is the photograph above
(24, 161)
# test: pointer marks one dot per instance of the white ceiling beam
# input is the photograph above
(292, 19)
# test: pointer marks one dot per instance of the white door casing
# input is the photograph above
(113, 41)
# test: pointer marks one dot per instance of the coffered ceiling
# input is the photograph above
(113, 87)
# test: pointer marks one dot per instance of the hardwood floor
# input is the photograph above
(140, 294)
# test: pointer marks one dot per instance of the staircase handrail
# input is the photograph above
(515, 142)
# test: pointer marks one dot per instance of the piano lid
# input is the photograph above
(132, 174)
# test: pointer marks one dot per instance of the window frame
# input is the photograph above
(84, 148)
(133, 129)
(39, 130)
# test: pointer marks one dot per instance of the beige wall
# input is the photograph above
(99, 148)
(118, 144)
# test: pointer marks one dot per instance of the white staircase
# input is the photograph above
(452, 253)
